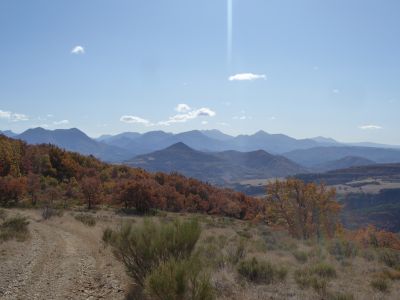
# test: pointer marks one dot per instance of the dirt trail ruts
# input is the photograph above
(63, 259)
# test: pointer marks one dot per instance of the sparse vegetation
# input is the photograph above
(14, 228)
(342, 248)
(315, 276)
(260, 271)
(86, 219)
(300, 256)
(390, 258)
(381, 284)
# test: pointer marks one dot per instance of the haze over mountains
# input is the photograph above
(194, 153)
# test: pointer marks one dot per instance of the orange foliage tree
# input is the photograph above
(306, 209)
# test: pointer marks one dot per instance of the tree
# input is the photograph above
(91, 190)
(11, 190)
(137, 195)
(33, 186)
(306, 209)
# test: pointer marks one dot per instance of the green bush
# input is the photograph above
(176, 280)
(315, 276)
(301, 256)
(341, 248)
(381, 284)
(261, 271)
(14, 228)
(86, 219)
(143, 247)
(323, 270)
(390, 257)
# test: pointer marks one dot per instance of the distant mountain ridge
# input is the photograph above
(216, 167)
(73, 140)
(319, 153)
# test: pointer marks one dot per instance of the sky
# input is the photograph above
(304, 68)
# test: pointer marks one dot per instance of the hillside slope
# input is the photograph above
(218, 168)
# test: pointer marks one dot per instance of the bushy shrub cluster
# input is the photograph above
(159, 257)
(315, 276)
(259, 271)
(14, 228)
(86, 219)
(342, 248)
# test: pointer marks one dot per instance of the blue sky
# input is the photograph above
(303, 68)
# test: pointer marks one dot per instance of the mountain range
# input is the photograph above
(217, 167)
(74, 140)
(315, 154)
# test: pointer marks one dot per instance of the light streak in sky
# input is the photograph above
(230, 29)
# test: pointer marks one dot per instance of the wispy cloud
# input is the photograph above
(186, 114)
(62, 122)
(370, 126)
(135, 120)
(247, 77)
(15, 117)
(182, 108)
(336, 91)
(78, 50)
(5, 114)
(190, 115)
(19, 117)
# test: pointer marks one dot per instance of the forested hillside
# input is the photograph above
(32, 172)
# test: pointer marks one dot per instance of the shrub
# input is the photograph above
(14, 228)
(390, 257)
(3, 214)
(306, 279)
(143, 247)
(49, 212)
(341, 248)
(261, 271)
(391, 274)
(86, 219)
(301, 256)
(315, 276)
(236, 252)
(380, 284)
(340, 296)
(323, 270)
(175, 280)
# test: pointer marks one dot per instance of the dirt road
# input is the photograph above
(63, 259)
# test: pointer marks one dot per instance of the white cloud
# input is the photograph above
(193, 114)
(5, 114)
(366, 127)
(240, 118)
(182, 108)
(335, 91)
(62, 122)
(247, 77)
(134, 120)
(204, 122)
(14, 117)
(78, 50)
(186, 115)
(223, 124)
(19, 117)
